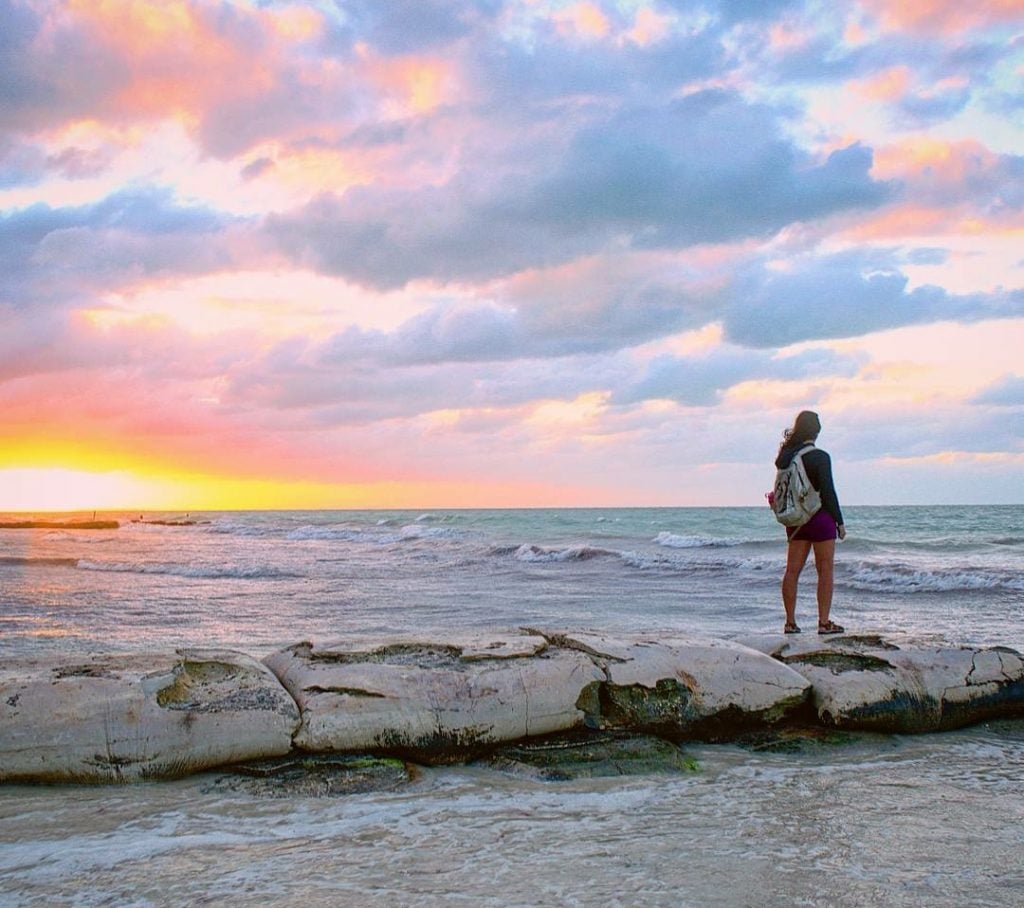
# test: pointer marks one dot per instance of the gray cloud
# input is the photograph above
(708, 168)
(327, 386)
(21, 163)
(406, 26)
(923, 109)
(927, 256)
(846, 295)
(57, 253)
(26, 164)
(699, 381)
(1007, 392)
(732, 11)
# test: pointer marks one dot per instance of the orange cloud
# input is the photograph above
(297, 23)
(903, 222)
(943, 16)
(939, 161)
(412, 84)
(648, 27)
(889, 85)
(137, 61)
(177, 60)
(583, 20)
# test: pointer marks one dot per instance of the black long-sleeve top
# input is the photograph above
(819, 471)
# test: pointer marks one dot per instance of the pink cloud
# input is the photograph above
(410, 84)
(964, 173)
(955, 188)
(889, 85)
(943, 16)
(583, 20)
(232, 75)
(170, 58)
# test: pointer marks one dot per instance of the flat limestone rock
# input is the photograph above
(898, 684)
(593, 755)
(434, 702)
(123, 718)
(684, 686)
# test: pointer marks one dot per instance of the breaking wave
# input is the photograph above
(196, 571)
(341, 534)
(232, 528)
(537, 553)
(418, 531)
(27, 561)
(699, 541)
(905, 579)
(711, 565)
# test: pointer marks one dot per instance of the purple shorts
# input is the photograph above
(820, 528)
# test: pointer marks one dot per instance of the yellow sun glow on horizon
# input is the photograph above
(38, 490)
(62, 489)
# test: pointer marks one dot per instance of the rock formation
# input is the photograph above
(124, 718)
(892, 685)
(684, 687)
(433, 700)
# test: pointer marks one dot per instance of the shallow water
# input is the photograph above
(929, 820)
(925, 820)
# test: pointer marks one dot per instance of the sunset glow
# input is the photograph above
(498, 254)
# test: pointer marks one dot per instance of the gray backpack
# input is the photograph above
(794, 500)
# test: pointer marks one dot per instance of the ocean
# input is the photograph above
(899, 820)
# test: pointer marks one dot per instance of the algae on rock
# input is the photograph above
(593, 755)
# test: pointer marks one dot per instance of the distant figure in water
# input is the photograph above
(819, 533)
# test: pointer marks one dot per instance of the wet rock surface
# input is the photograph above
(684, 687)
(599, 754)
(902, 684)
(315, 776)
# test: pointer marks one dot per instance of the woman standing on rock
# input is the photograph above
(820, 532)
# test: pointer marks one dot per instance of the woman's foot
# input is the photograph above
(791, 628)
(830, 627)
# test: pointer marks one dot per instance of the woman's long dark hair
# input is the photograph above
(806, 427)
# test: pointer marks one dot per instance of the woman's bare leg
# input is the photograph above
(824, 564)
(796, 558)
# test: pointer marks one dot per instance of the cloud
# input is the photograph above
(57, 253)
(239, 74)
(707, 168)
(923, 108)
(927, 256)
(845, 295)
(326, 386)
(1007, 392)
(732, 11)
(700, 381)
(19, 26)
(944, 16)
(404, 26)
(21, 163)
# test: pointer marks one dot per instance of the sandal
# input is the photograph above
(830, 627)
(790, 628)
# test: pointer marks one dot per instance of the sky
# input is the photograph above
(503, 253)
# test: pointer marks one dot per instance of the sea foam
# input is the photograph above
(197, 571)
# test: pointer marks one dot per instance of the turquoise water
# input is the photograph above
(933, 820)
